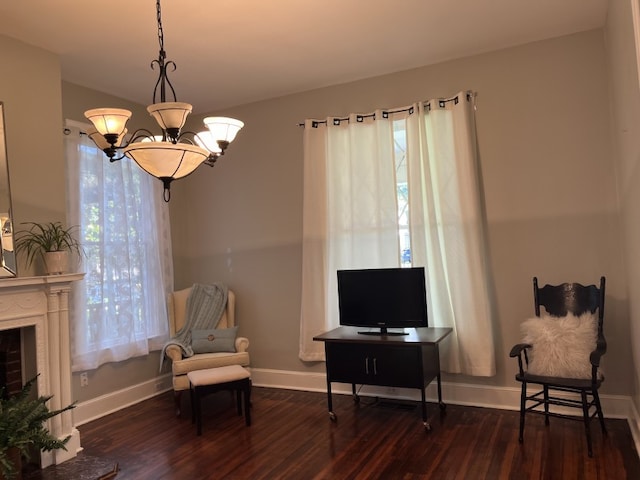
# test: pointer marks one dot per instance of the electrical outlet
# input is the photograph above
(84, 379)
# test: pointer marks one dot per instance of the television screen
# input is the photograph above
(382, 298)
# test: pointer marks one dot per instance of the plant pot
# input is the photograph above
(56, 263)
(15, 459)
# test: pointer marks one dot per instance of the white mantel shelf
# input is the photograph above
(43, 303)
(41, 280)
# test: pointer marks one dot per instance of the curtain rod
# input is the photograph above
(385, 113)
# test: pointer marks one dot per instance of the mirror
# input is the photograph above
(7, 252)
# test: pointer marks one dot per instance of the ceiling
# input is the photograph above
(231, 52)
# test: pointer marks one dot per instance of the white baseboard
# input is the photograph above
(112, 402)
(634, 425)
(505, 398)
(55, 457)
(73, 448)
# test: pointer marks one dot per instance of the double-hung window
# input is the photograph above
(118, 310)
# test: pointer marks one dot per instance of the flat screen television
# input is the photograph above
(382, 298)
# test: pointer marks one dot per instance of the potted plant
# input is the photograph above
(22, 428)
(52, 242)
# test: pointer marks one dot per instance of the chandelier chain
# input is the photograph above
(163, 79)
(160, 31)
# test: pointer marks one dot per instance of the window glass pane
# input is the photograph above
(402, 188)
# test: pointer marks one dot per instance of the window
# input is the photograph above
(400, 188)
(118, 310)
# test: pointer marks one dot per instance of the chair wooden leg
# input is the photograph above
(523, 398)
(585, 415)
(177, 398)
(596, 397)
(247, 403)
(198, 408)
(546, 405)
(192, 401)
(238, 393)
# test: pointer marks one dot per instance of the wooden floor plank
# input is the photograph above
(291, 437)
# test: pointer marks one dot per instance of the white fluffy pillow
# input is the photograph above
(561, 345)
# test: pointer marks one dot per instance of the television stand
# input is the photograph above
(403, 361)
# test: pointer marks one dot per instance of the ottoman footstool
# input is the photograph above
(210, 380)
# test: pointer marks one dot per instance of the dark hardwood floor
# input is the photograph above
(291, 437)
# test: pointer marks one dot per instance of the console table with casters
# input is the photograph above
(411, 360)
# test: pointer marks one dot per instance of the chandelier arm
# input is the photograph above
(189, 136)
(112, 150)
(222, 144)
(211, 160)
(140, 134)
(213, 156)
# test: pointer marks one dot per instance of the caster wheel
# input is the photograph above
(333, 417)
(356, 399)
(443, 406)
(427, 427)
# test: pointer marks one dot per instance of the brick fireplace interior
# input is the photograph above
(10, 361)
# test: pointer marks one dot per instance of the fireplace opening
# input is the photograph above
(10, 361)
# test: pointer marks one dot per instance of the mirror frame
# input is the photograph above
(8, 262)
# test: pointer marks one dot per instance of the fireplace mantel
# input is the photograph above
(43, 303)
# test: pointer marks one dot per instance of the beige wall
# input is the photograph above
(545, 142)
(30, 91)
(625, 108)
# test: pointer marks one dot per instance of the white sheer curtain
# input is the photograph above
(350, 213)
(119, 309)
(351, 221)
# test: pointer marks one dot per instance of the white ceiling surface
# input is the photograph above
(231, 52)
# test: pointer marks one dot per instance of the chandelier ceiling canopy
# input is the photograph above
(173, 154)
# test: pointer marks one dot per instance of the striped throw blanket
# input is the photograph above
(205, 306)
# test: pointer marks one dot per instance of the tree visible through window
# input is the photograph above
(402, 187)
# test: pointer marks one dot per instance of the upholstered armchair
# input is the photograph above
(177, 307)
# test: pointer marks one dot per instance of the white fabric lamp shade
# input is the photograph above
(205, 140)
(166, 160)
(108, 120)
(170, 114)
(223, 128)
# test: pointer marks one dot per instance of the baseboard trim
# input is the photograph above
(634, 424)
(487, 396)
(95, 408)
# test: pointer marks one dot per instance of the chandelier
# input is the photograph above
(174, 154)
